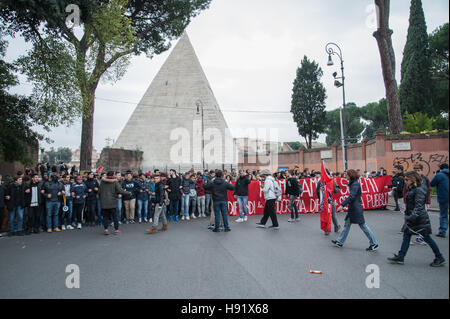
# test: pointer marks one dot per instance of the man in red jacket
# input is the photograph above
(201, 195)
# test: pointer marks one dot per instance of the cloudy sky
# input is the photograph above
(250, 50)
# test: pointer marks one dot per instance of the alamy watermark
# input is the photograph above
(373, 279)
(73, 19)
(73, 279)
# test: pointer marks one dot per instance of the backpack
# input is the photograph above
(277, 190)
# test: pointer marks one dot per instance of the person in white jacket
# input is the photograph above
(270, 197)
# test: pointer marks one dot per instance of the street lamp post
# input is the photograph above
(199, 104)
(329, 48)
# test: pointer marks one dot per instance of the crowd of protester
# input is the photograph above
(56, 198)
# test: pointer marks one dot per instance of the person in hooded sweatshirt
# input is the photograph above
(219, 189)
(53, 190)
(270, 197)
(440, 181)
(108, 191)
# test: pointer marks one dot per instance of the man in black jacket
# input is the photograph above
(219, 188)
(397, 186)
(293, 190)
(91, 200)
(160, 196)
(15, 197)
(34, 203)
(53, 191)
(174, 186)
(241, 193)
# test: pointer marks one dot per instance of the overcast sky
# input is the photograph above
(250, 50)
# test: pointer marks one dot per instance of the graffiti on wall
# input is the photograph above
(434, 160)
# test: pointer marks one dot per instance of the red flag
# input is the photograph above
(325, 214)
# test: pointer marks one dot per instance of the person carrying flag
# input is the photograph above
(355, 213)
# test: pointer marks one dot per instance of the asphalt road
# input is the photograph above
(189, 261)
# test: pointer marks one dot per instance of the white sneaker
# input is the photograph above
(183, 218)
(145, 220)
(69, 227)
(245, 218)
(291, 220)
(187, 217)
(120, 223)
(63, 227)
(239, 220)
(297, 219)
(79, 226)
(150, 220)
(140, 220)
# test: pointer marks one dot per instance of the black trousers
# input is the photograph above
(34, 218)
(77, 211)
(269, 211)
(2, 213)
(91, 207)
(107, 215)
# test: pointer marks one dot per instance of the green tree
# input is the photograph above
(417, 122)
(354, 126)
(295, 145)
(66, 68)
(17, 117)
(62, 154)
(415, 88)
(439, 51)
(376, 116)
(308, 101)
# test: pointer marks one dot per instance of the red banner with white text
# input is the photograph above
(373, 192)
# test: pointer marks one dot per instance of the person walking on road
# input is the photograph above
(417, 220)
(355, 213)
(271, 198)
(441, 183)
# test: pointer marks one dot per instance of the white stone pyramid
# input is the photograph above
(166, 125)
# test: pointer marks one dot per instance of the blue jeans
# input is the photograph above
(119, 209)
(142, 204)
(363, 227)
(52, 211)
(19, 211)
(220, 208)
(427, 239)
(242, 202)
(185, 205)
(443, 218)
(174, 205)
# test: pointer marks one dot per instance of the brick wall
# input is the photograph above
(428, 149)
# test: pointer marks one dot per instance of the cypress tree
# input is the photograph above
(415, 87)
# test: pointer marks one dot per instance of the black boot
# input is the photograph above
(397, 260)
(437, 262)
